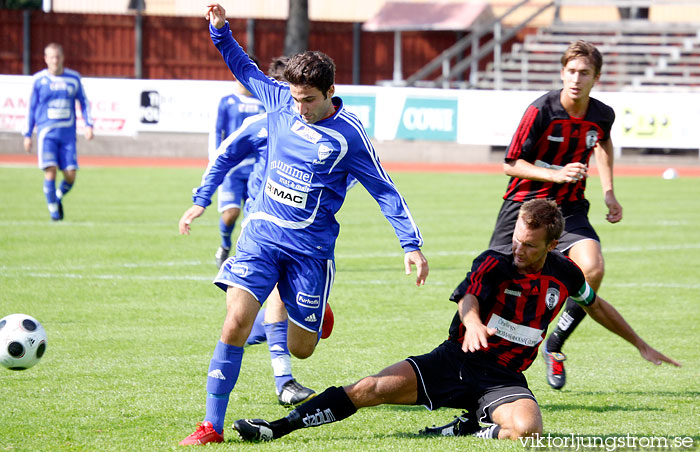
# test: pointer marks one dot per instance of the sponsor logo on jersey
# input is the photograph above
(306, 132)
(515, 293)
(306, 300)
(519, 334)
(552, 298)
(248, 108)
(555, 139)
(60, 86)
(591, 138)
(290, 171)
(58, 113)
(285, 195)
(318, 418)
(240, 270)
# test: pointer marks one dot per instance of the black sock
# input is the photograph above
(569, 320)
(331, 405)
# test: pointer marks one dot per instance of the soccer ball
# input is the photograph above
(22, 341)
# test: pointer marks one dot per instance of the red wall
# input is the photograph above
(180, 48)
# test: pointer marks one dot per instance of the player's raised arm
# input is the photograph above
(604, 313)
(216, 15)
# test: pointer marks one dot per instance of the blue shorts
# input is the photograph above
(233, 190)
(304, 282)
(59, 153)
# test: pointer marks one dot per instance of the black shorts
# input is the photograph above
(448, 377)
(576, 224)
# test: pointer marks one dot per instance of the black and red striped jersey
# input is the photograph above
(547, 136)
(519, 306)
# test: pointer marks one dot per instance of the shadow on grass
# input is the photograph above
(593, 408)
(683, 394)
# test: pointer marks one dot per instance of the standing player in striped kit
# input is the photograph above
(548, 158)
(288, 237)
(52, 111)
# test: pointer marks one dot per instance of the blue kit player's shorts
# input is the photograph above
(59, 153)
(233, 190)
(304, 282)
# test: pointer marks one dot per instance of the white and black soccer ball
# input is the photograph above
(22, 341)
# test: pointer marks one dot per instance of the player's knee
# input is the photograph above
(524, 426)
(594, 273)
(302, 351)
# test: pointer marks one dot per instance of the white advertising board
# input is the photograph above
(126, 107)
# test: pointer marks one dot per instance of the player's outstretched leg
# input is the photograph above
(331, 405)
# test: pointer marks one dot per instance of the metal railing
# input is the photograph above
(477, 52)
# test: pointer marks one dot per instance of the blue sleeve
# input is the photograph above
(268, 91)
(365, 167)
(84, 104)
(241, 144)
(31, 114)
(221, 121)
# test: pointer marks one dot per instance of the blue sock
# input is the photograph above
(257, 334)
(51, 200)
(223, 372)
(226, 231)
(279, 353)
(65, 188)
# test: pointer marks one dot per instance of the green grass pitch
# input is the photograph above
(132, 316)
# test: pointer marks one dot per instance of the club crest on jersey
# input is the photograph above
(306, 132)
(323, 153)
(591, 138)
(309, 301)
(551, 298)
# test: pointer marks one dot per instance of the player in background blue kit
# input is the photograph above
(288, 238)
(233, 109)
(52, 110)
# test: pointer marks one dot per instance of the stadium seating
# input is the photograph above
(638, 56)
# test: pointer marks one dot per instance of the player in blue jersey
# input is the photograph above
(233, 109)
(249, 143)
(288, 238)
(52, 111)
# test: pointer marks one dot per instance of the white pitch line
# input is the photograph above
(654, 285)
(110, 277)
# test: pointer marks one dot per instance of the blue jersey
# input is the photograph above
(52, 105)
(233, 109)
(305, 175)
(241, 148)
